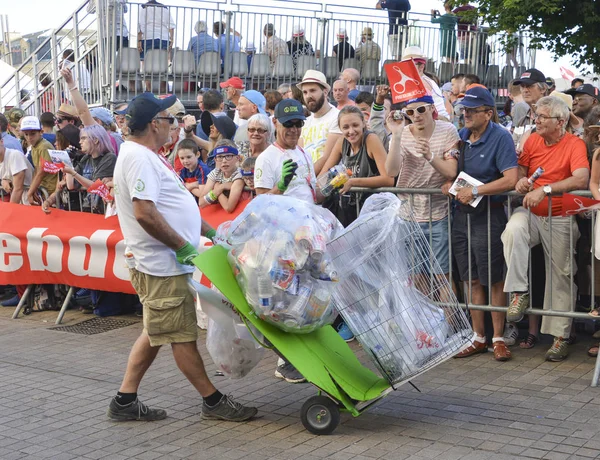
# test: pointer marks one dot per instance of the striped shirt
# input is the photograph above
(417, 172)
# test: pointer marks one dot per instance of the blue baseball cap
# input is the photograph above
(478, 96)
(288, 109)
(424, 99)
(102, 114)
(144, 107)
(257, 99)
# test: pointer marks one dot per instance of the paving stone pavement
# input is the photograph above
(57, 385)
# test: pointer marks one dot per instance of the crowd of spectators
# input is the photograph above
(244, 144)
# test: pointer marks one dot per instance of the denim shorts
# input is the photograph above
(439, 242)
(156, 44)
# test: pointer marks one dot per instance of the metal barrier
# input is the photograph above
(509, 208)
(117, 72)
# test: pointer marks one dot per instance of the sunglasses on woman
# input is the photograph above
(293, 124)
(257, 130)
(422, 109)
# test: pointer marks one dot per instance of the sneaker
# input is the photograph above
(83, 293)
(559, 350)
(137, 410)
(345, 332)
(518, 304)
(12, 302)
(511, 334)
(289, 373)
(228, 409)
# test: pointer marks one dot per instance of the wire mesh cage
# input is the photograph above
(393, 294)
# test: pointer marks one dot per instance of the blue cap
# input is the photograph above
(257, 99)
(289, 109)
(144, 107)
(478, 96)
(352, 94)
(102, 114)
(424, 99)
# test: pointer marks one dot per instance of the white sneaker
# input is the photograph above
(511, 334)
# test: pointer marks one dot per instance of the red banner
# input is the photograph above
(63, 247)
(574, 204)
(73, 248)
(405, 82)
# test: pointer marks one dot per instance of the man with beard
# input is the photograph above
(321, 130)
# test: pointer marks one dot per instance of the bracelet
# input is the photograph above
(208, 200)
(432, 158)
(75, 88)
(188, 131)
(377, 107)
(212, 195)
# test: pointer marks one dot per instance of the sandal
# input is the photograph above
(501, 352)
(529, 342)
(593, 350)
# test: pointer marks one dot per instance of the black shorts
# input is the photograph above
(479, 245)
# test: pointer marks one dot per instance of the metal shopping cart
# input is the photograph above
(395, 299)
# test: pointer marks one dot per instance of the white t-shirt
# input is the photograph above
(267, 172)
(316, 130)
(15, 162)
(154, 22)
(141, 173)
(438, 97)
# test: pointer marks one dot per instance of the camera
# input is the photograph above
(398, 115)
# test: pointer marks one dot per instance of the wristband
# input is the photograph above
(208, 199)
(377, 107)
(212, 195)
(432, 158)
(188, 130)
(75, 88)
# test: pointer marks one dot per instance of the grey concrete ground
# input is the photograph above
(56, 387)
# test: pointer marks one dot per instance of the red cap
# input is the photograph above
(236, 82)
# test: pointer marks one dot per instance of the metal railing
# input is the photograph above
(118, 73)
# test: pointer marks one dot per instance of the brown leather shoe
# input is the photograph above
(501, 352)
(473, 349)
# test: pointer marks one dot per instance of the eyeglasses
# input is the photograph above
(225, 157)
(473, 111)
(542, 118)
(293, 124)
(171, 120)
(256, 130)
(421, 109)
(58, 121)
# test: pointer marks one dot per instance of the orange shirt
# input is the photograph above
(559, 161)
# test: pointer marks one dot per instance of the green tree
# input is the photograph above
(563, 27)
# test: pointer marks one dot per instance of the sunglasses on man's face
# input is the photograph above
(58, 121)
(411, 112)
(171, 120)
(293, 124)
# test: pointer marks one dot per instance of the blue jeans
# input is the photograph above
(156, 44)
(439, 241)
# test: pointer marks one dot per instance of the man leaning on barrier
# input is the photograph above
(487, 154)
(564, 159)
(161, 224)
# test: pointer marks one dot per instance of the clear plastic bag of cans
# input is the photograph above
(278, 253)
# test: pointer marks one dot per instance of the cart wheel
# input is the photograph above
(320, 415)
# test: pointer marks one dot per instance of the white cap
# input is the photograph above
(250, 47)
(298, 30)
(30, 123)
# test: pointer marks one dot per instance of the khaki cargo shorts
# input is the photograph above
(169, 308)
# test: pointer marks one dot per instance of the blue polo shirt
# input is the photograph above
(492, 154)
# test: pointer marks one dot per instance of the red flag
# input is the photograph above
(51, 168)
(567, 74)
(575, 204)
(405, 81)
(100, 189)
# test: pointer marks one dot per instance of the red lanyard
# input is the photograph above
(310, 185)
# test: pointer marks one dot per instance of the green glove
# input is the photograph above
(288, 171)
(186, 253)
(211, 234)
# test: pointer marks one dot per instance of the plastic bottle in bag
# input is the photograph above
(242, 231)
(318, 303)
(297, 311)
(265, 291)
(336, 177)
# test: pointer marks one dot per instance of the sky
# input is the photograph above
(34, 15)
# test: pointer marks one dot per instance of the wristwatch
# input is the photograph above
(547, 190)
(474, 192)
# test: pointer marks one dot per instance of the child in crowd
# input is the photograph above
(248, 174)
(195, 172)
(225, 184)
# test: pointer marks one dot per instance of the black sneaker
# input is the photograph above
(289, 373)
(137, 410)
(228, 409)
